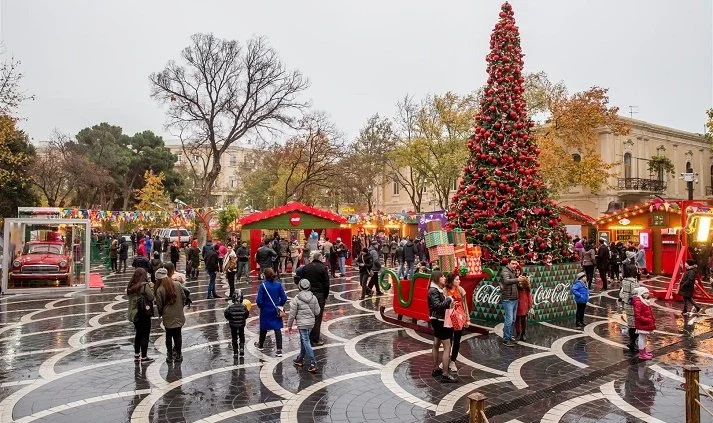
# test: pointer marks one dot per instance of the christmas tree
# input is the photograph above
(502, 203)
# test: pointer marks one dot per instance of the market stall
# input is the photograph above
(375, 224)
(293, 221)
(578, 224)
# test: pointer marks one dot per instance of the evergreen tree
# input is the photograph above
(502, 203)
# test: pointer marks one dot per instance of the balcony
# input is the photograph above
(641, 185)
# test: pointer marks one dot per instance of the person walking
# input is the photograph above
(342, 253)
(175, 253)
(132, 237)
(644, 320)
(393, 245)
(460, 313)
(438, 303)
(640, 260)
(318, 276)
(206, 248)
(148, 244)
(364, 263)
(139, 286)
(141, 250)
(524, 306)
(193, 261)
(304, 308)
(265, 258)
(230, 268)
(588, 263)
(169, 304)
(212, 267)
(409, 258)
(243, 255)
(374, 269)
(123, 255)
(628, 284)
(271, 298)
(237, 315)
(687, 287)
(400, 263)
(508, 293)
(615, 263)
(155, 264)
(603, 258)
(581, 296)
(114, 255)
(295, 252)
(386, 251)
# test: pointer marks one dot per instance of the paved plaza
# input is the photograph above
(69, 358)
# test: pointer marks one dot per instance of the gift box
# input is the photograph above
(444, 250)
(447, 263)
(474, 250)
(458, 237)
(460, 251)
(451, 237)
(433, 253)
(433, 226)
(436, 238)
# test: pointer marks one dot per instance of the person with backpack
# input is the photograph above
(271, 298)
(581, 295)
(687, 287)
(141, 296)
(123, 255)
(170, 299)
(628, 284)
(304, 309)
(237, 315)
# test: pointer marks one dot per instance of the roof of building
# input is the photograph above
(290, 208)
(576, 214)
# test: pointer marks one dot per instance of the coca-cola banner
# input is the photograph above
(551, 296)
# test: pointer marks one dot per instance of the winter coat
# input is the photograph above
(524, 302)
(437, 302)
(269, 319)
(124, 251)
(589, 257)
(141, 251)
(640, 259)
(134, 298)
(341, 249)
(508, 289)
(688, 281)
(400, 253)
(603, 257)
(303, 309)
(318, 276)
(628, 285)
(211, 261)
(386, 248)
(364, 263)
(243, 254)
(375, 260)
(194, 256)
(643, 316)
(265, 256)
(172, 314)
(141, 261)
(580, 291)
(175, 253)
(206, 248)
(155, 265)
(114, 251)
(236, 314)
(409, 251)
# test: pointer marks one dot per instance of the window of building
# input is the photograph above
(233, 160)
(576, 158)
(689, 169)
(233, 182)
(196, 158)
(454, 185)
(179, 158)
(660, 174)
(627, 165)
(395, 190)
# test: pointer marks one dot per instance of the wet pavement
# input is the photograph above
(69, 358)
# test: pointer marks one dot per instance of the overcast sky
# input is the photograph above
(88, 61)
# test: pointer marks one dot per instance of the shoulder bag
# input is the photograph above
(280, 311)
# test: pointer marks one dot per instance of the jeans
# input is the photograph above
(342, 265)
(141, 340)
(243, 269)
(402, 269)
(283, 264)
(510, 307)
(211, 285)
(235, 334)
(263, 335)
(579, 316)
(409, 264)
(305, 346)
(315, 333)
(174, 341)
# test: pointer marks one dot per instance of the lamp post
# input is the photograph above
(369, 192)
(690, 178)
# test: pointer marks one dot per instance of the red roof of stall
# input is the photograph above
(577, 214)
(290, 208)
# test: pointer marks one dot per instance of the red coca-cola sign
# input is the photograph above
(295, 219)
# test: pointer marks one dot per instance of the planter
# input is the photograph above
(551, 294)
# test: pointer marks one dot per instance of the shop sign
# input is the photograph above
(658, 219)
(624, 222)
(295, 219)
(490, 294)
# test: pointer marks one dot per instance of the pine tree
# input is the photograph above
(502, 203)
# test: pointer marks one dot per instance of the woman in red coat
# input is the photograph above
(644, 320)
(524, 305)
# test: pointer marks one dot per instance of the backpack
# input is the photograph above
(144, 305)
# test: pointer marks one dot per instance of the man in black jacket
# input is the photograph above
(318, 276)
(603, 257)
(211, 266)
(265, 257)
(243, 254)
(123, 255)
(409, 258)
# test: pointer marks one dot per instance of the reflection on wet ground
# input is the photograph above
(70, 358)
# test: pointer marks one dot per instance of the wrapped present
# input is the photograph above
(444, 250)
(458, 237)
(474, 250)
(433, 226)
(451, 237)
(433, 253)
(447, 263)
(436, 238)
(460, 251)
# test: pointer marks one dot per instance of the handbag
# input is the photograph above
(458, 317)
(280, 311)
(144, 305)
(447, 321)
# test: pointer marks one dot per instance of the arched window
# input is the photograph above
(627, 165)
(688, 167)
(660, 174)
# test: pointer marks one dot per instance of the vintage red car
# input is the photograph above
(41, 261)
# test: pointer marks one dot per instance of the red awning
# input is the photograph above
(577, 214)
(290, 208)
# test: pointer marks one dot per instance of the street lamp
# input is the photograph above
(369, 192)
(690, 179)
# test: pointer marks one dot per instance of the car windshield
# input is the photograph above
(44, 249)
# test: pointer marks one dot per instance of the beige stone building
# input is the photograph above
(632, 183)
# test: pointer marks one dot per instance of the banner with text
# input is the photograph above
(551, 296)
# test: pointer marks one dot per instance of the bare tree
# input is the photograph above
(410, 178)
(49, 171)
(11, 96)
(223, 91)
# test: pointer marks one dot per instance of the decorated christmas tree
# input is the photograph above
(502, 203)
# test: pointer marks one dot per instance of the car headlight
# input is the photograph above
(62, 263)
(16, 263)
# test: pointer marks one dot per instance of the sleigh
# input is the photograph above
(411, 300)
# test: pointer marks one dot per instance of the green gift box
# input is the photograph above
(458, 237)
(436, 238)
(451, 237)
(447, 263)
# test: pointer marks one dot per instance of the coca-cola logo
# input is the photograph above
(490, 294)
(295, 219)
(487, 294)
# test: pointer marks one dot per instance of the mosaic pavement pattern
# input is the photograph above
(69, 358)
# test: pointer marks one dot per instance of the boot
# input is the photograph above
(241, 351)
(169, 357)
(177, 357)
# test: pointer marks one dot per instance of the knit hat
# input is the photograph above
(161, 273)
(630, 255)
(580, 275)
(304, 285)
